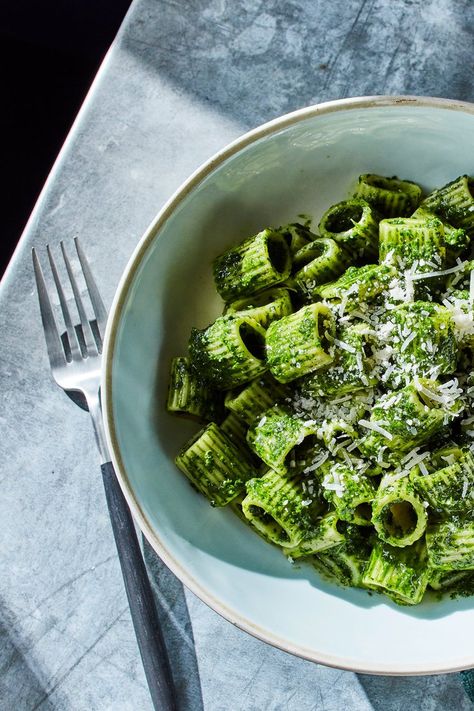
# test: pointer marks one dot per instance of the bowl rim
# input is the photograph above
(121, 295)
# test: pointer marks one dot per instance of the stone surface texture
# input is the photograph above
(181, 81)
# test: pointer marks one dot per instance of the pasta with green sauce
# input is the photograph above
(335, 391)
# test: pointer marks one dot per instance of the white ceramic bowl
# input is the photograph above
(300, 163)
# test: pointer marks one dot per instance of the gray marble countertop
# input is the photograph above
(181, 80)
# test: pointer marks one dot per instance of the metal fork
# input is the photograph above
(75, 358)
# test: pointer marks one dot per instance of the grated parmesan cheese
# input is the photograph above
(317, 463)
(423, 468)
(344, 346)
(407, 341)
(376, 428)
(442, 272)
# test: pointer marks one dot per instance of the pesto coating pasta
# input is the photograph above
(353, 224)
(284, 442)
(447, 580)
(451, 544)
(454, 202)
(455, 239)
(296, 236)
(300, 343)
(324, 536)
(334, 433)
(189, 394)
(259, 262)
(404, 419)
(448, 454)
(408, 240)
(401, 573)
(351, 368)
(264, 307)
(349, 492)
(214, 465)
(450, 490)
(347, 562)
(236, 430)
(348, 387)
(398, 513)
(423, 338)
(391, 197)
(358, 285)
(252, 400)
(276, 506)
(230, 352)
(316, 263)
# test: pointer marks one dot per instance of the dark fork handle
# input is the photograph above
(140, 596)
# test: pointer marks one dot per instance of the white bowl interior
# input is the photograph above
(300, 168)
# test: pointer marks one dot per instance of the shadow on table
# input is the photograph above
(436, 693)
(253, 61)
(177, 632)
(20, 686)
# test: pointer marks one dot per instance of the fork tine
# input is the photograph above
(54, 345)
(89, 339)
(71, 333)
(95, 297)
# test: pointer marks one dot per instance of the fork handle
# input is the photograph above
(140, 597)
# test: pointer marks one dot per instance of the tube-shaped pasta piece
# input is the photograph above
(296, 236)
(300, 343)
(310, 251)
(423, 338)
(444, 456)
(317, 263)
(279, 509)
(454, 202)
(189, 395)
(451, 489)
(391, 197)
(349, 492)
(401, 573)
(341, 440)
(346, 563)
(283, 441)
(447, 580)
(257, 263)
(451, 544)
(229, 352)
(352, 368)
(405, 241)
(398, 513)
(460, 304)
(336, 432)
(404, 419)
(251, 402)
(460, 279)
(236, 506)
(358, 285)
(323, 536)
(455, 238)
(265, 307)
(236, 430)
(214, 465)
(353, 224)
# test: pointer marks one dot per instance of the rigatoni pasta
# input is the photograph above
(343, 361)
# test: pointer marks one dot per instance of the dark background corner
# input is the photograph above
(50, 52)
